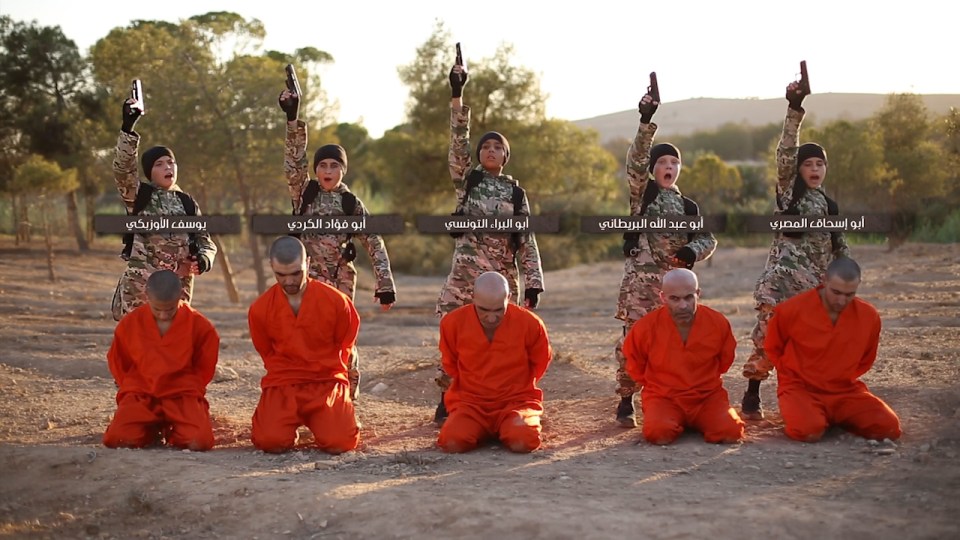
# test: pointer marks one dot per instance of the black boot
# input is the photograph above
(626, 416)
(440, 416)
(750, 408)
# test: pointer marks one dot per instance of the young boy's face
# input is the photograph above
(666, 171)
(329, 173)
(813, 171)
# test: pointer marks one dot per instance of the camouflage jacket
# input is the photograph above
(492, 197)
(324, 249)
(655, 247)
(796, 264)
(154, 251)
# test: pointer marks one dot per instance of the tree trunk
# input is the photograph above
(90, 208)
(229, 280)
(24, 226)
(254, 243)
(16, 220)
(73, 219)
(228, 277)
(48, 239)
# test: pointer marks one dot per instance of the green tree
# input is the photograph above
(211, 95)
(43, 89)
(916, 161)
(716, 186)
(44, 180)
(857, 174)
(564, 169)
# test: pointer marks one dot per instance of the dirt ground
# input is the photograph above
(591, 479)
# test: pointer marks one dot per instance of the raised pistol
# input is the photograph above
(654, 89)
(136, 94)
(293, 85)
(804, 79)
(459, 60)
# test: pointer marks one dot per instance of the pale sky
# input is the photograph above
(593, 56)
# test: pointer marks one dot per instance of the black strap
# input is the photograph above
(631, 240)
(473, 180)
(833, 209)
(517, 198)
(348, 201)
(144, 194)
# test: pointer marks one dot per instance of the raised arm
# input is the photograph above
(125, 158)
(295, 166)
(787, 147)
(638, 156)
(459, 153)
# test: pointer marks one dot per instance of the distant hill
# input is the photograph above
(703, 114)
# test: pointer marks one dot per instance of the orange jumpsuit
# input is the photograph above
(819, 364)
(494, 383)
(681, 382)
(162, 380)
(307, 358)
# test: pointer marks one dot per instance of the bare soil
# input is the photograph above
(592, 479)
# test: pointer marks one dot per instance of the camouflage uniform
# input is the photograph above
(326, 263)
(793, 264)
(151, 251)
(476, 253)
(643, 270)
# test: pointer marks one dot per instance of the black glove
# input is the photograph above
(130, 117)
(457, 82)
(203, 264)
(386, 298)
(291, 106)
(647, 110)
(533, 297)
(687, 255)
(795, 99)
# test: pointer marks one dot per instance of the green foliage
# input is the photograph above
(946, 231)
(731, 142)
(857, 175)
(37, 176)
(716, 186)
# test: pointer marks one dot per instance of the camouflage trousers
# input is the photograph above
(639, 295)
(344, 279)
(131, 291)
(758, 367)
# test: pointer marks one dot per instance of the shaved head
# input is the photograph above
(680, 292)
(287, 250)
(490, 296)
(844, 268)
(491, 285)
(680, 276)
(164, 286)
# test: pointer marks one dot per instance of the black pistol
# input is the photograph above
(459, 60)
(654, 88)
(804, 79)
(136, 94)
(293, 85)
